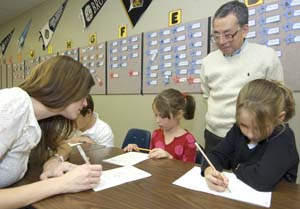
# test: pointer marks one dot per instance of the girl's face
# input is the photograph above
(250, 129)
(164, 122)
(73, 110)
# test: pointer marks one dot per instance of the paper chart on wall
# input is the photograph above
(128, 158)
(121, 175)
(239, 190)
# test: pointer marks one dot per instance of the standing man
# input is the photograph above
(225, 71)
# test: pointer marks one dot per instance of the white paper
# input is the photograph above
(117, 176)
(128, 158)
(239, 190)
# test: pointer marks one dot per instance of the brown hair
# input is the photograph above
(265, 100)
(90, 106)
(171, 101)
(56, 83)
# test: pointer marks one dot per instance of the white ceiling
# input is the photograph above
(10, 9)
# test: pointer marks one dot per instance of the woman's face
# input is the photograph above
(73, 110)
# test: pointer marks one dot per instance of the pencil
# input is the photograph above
(204, 155)
(144, 149)
(208, 161)
(83, 155)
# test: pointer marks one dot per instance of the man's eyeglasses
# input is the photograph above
(215, 37)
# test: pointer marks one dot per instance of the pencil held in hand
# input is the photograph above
(208, 161)
(83, 155)
(144, 149)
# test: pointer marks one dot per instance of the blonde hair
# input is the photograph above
(56, 83)
(265, 100)
(171, 101)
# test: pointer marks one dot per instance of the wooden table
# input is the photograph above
(154, 192)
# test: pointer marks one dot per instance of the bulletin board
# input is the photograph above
(277, 25)
(9, 75)
(46, 57)
(18, 72)
(94, 58)
(71, 53)
(31, 64)
(173, 57)
(3, 75)
(124, 64)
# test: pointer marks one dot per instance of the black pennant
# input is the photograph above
(47, 31)
(5, 41)
(90, 10)
(135, 9)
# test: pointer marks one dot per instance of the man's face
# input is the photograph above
(228, 34)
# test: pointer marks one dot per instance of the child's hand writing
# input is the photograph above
(131, 147)
(215, 180)
(159, 153)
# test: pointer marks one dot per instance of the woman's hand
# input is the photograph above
(55, 168)
(215, 180)
(81, 178)
(131, 147)
(159, 153)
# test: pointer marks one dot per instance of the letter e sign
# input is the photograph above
(175, 17)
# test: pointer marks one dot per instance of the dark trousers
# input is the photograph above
(211, 140)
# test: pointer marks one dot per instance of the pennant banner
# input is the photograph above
(135, 9)
(90, 10)
(22, 38)
(48, 30)
(5, 41)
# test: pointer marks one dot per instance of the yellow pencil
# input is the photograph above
(206, 158)
(144, 149)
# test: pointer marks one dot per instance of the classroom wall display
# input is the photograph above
(124, 64)
(30, 64)
(2, 76)
(9, 75)
(46, 57)
(94, 58)
(18, 72)
(277, 25)
(173, 57)
(74, 53)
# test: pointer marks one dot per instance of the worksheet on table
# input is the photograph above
(128, 158)
(238, 189)
(121, 175)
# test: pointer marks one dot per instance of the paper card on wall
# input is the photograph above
(31, 53)
(92, 38)
(175, 17)
(122, 31)
(250, 3)
(134, 55)
(50, 49)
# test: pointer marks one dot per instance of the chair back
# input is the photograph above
(141, 137)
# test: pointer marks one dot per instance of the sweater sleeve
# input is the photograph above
(221, 156)
(275, 71)
(278, 158)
